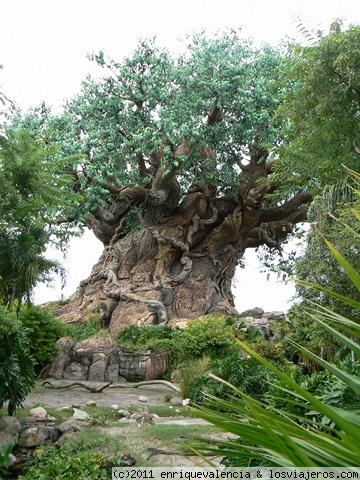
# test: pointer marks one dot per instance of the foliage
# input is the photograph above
(209, 334)
(245, 373)
(43, 329)
(16, 363)
(71, 461)
(321, 110)
(31, 198)
(276, 438)
(144, 337)
(5, 451)
(319, 266)
(188, 372)
(82, 331)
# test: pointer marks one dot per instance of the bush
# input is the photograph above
(16, 364)
(84, 330)
(43, 329)
(209, 334)
(143, 336)
(244, 373)
(69, 462)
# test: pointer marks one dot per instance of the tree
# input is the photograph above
(173, 160)
(30, 198)
(322, 110)
(16, 364)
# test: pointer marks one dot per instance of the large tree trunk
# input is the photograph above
(181, 265)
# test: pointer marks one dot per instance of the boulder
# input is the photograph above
(76, 371)
(34, 436)
(39, 413)
(140, 365)
(81, 415)
(9, 430)
(64, 347)
(99, 343)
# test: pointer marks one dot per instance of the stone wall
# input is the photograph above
(101, 359)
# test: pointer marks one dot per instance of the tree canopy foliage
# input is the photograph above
(30, 198)
(322, 110)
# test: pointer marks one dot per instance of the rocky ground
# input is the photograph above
(123, 397)
(135, 440)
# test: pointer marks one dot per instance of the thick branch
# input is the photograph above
(287, 209)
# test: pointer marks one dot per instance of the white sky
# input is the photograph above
(43, 47)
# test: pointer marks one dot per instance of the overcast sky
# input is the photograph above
(43, 48)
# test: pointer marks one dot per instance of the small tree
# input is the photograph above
(16, 363)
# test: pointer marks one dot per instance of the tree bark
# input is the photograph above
(180, 260)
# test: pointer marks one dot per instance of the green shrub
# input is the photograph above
(43, 329)
(72, 461)
(245, 373)
(189, 372)
(16, 364)
(209, 334)
(84, 330)
(141, 337)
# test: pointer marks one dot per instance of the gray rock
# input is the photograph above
(176, 401)
(143, 399)
(76, 371)
(68, 425)
(10, 425)
(34, 436)
(64, 347)
(6, 437)
(12, 460)
(124, 414)
(81, 415)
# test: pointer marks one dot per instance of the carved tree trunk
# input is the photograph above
(181, 261)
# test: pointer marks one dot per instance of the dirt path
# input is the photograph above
(123, 397)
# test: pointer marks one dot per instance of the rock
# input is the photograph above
(9, 430)
(98, 367)
(39, 413)
(140, 365)
(99, 343)
(124, 414)
(91, 403)
(76, 371)
(12, 460)
(186, 402)
(64, 347)
(6, 437)
(176, 401)
(112, 373)
(33, 436)
(68, 425)
(10, 425)
(81, 415)
(143, 399)
(115, 407)
(145, 419)
(254, 312)
(127, 460)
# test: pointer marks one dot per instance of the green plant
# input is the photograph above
(17, 375)
(189, 371)
(72, 461)
(84, 330)
(245, 373)
(5, 451)
(209, 334)
(271, 435)
(43, 329)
